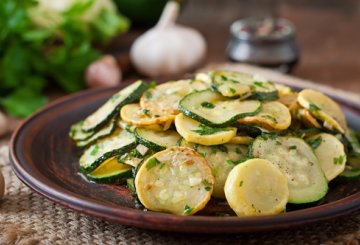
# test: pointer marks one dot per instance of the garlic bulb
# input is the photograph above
(168, 48)
(2, 185)
(103, 72)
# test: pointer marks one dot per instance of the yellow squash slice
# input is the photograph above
(324, 109)
(135, 115)
(194, 131)
(177, 180)
(273, 115)
(330, 152)
(241, 140)
(165, 98)
(256, 187)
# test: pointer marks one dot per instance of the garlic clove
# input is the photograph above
(2, 185)
(168, 48)
(4, 128)
(103, 72)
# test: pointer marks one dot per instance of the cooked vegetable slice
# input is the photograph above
(330, 152)
(135, 156)
(222, 111)
(177, 180)
(295, 158)
(353, 140)
(324, 109)
(107, 130)
(273, 115)
(287, 95)
(77, 134)
(252, 131)
(135, 115)
(231, 84)
(194, 131)
(164, 98)
(241, 140)
(157, 140)
(119, 142)
(305, 116)
(350, 173)
(256, 187)
(110, 172)
(104, 114)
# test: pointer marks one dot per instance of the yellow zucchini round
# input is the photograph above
(256, 187)
(135, 115)
(165, 97)
(241, 140)
(331, 154)
(273, 115)
(305, 116)
(323, 108)
(177, 180)
(194, 131)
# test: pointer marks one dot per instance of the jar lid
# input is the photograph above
(262, 29)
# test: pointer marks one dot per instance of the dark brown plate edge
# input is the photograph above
(168, 222)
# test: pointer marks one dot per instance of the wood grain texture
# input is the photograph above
(46, 160)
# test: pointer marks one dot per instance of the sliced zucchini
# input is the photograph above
(287, 95)
(110, 172)
(107, 130)
(256, 187)
(135, 115)
(350, 173)
(177, 180)
(330, 152)
(135, 156)
(231, 84)
(305, 116)
(353, 140)
(119, 142)
(104, 114)
(241, 140)
(157, 140)
(77, 134)
(252, 131)
(194, 131)
(164, 98)
(324, 109)
(273, 115)
(295, 158)
(212, 109)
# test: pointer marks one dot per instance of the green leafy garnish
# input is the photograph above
(293, 147)
(236, 162)
(152, 84)
(146, 112)
(152, 162)
(315, 143)
(339, 160)
(95, 150)
(232, 90)
(187, 210)
(241, 183)
(205, 130)
(221, 148)
(207, 185)
(269, 117)
(148, 95)
(207, 105)
(260, 84)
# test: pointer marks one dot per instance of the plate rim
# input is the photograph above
(163, 221)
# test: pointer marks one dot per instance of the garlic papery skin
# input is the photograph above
(168, 48)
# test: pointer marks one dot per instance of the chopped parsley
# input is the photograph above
(152, 162)
(223, 78)
(204, 130)
(115, 97)
(315, 143)
(95, 150)
(207, 185)
(260, 84)
(152, 84)
(207, 105)
(241, 183)
(148, 94)
(146, 112)
(236, 162)
(238, 150)
(221, 148)
(232, 90)
(339, 160)
(278, 143)
(203, 154)
(293, 147)
(187, 210)
(313, 107)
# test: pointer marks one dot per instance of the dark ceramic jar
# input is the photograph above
(264, 42)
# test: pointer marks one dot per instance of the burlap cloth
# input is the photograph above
(28, 218)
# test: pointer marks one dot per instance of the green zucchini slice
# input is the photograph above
(107, 130)
(157, 140)
(350, 173)
(119, 142)
(214, 110)
(104, 114)
(135, 156)
(77, 134)
(110, 172)
(296, 159)
(330, 152)
(230, 84)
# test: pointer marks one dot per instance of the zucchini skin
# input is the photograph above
(250, 130)
(198, 118)
(147, 143)
(135, 95)
(107, 155)
(112, 179)
(264, 96)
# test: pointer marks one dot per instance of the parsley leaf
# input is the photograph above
(207, 105)
(205, 130)
(152, 162)
(187, 210)
(315, 143)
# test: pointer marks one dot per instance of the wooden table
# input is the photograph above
(328, 34)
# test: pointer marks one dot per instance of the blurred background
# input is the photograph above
(52, 48)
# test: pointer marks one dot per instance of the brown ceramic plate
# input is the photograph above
(46, 160)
